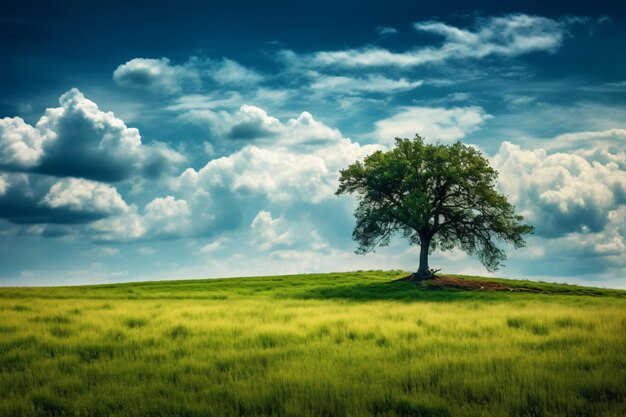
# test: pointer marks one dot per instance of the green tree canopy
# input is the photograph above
(437, 196)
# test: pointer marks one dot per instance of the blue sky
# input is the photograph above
(183, 140)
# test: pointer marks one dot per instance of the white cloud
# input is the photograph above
(37, 199)
(298, 162)
(253, 125)
(278, 175)
(270, 232)
(163, 218)
(248, 123)
(214, 246)
(561, 193)
(79, 140)
(160, 76)
(594, 146)
(368, 84)
(85, 196)
(251, 122)
(228, 71)
(508, 35)
(298, 165)
(155, 75)
(126, 227)
(610, 140)
(20, 144)
(432, 123)
(305, 131)
(617, 136)
(167, 217)
(201, 106)
(4, 184)
(279, 236)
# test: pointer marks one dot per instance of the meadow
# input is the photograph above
(344, 344)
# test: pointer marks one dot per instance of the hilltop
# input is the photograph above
(358, 285)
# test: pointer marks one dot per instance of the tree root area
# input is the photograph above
(468, 285)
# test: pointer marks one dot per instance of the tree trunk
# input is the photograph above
(423, 271)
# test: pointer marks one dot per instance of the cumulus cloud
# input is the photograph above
(228, 71)
(253, 124)
(20, 144)
(246, 124)
(155, 75)
(33, 199)
(162, 77)
(283, 238)
(277, 175)
(599, 146)
(77, 139)
(162, 218)
(270, 233)
(4, 185)
(432, 123)
(509, 35)
(167, 217)
(85, 196)
(124, 228)
(560, 193)
(298, 166)
(299, 163)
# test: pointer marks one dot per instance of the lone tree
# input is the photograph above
(438, 196)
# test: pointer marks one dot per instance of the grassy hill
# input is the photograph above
(345, 344)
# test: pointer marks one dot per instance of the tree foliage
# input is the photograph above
(437, 196)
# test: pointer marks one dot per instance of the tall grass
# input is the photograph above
(355, 344)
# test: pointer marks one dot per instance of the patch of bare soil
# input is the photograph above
(473, 285)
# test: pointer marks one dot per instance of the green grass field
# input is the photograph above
(345, 344)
